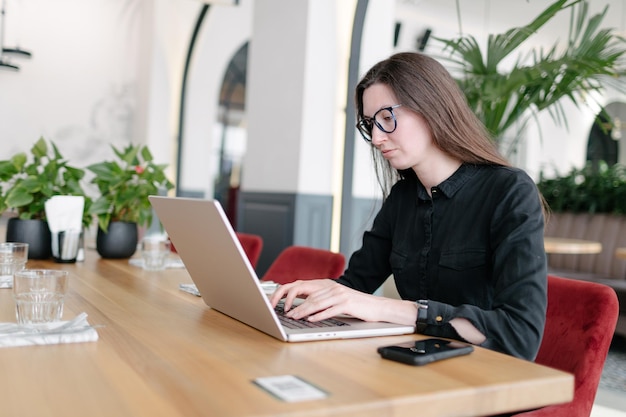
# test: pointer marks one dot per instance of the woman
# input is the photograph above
(460, 229)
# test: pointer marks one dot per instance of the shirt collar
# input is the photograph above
(453, 183)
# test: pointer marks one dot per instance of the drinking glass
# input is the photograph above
(39, 295)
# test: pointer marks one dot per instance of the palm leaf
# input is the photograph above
(541, 80)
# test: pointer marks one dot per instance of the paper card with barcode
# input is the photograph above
(290, 388)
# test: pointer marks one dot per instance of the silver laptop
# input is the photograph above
(217, 264)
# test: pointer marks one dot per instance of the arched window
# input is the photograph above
(233, 135)
(606, 137)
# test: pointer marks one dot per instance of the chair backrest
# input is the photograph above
(580, 322)
(252, 245)
(301, 262)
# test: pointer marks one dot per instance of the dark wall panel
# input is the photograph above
(284, 219)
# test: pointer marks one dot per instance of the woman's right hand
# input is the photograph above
(298, 289)
(326, 298)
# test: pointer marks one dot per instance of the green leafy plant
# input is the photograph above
(27, 183)
(125, 185)
(589, 61)
(592, 189)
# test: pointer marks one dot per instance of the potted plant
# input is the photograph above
(25, 186)
(589, 60)
(593, 189)
(124, 185)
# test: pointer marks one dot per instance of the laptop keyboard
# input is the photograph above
(304, 324)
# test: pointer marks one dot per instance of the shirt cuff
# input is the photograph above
(438, 321)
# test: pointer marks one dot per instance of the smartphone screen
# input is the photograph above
(421, 352)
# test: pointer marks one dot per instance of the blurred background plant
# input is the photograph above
(590, 60)
(27, 183)
(125, 184)
(596, 188)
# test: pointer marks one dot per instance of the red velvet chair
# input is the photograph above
(580, 323)
(252, 245)
(301, 262)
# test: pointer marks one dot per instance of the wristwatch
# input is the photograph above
(422, 315)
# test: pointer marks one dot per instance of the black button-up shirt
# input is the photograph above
(474, 250)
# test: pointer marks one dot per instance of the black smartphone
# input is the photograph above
(421, 352)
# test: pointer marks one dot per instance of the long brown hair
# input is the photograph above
(426, 87)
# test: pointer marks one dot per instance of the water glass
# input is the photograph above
(13, 257)
(39, 295)
(154, 251)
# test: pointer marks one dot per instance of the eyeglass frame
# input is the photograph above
(362, 129)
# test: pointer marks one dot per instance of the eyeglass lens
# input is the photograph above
(384, 119)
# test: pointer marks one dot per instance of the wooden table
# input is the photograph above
(571, 246)
(163, 352)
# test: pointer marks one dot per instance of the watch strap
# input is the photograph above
(422, 315)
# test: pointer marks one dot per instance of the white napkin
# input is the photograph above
(190, 288)
(169, 263)
(73, 331)
(64, 213)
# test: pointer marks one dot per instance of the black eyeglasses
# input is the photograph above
(384, 119)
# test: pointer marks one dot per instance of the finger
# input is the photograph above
(302, 289)
(294, 292)
(323, 304)
(278, 294)
(322, 315)
(307, 308)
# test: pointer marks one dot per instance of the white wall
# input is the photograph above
(297, 61)
(102, 72)
(323, 53)
(80, 88)
(165, 37)
(377, 44)
(274, 96)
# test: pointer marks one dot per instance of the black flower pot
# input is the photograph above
(119, 242)
(34, 232)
